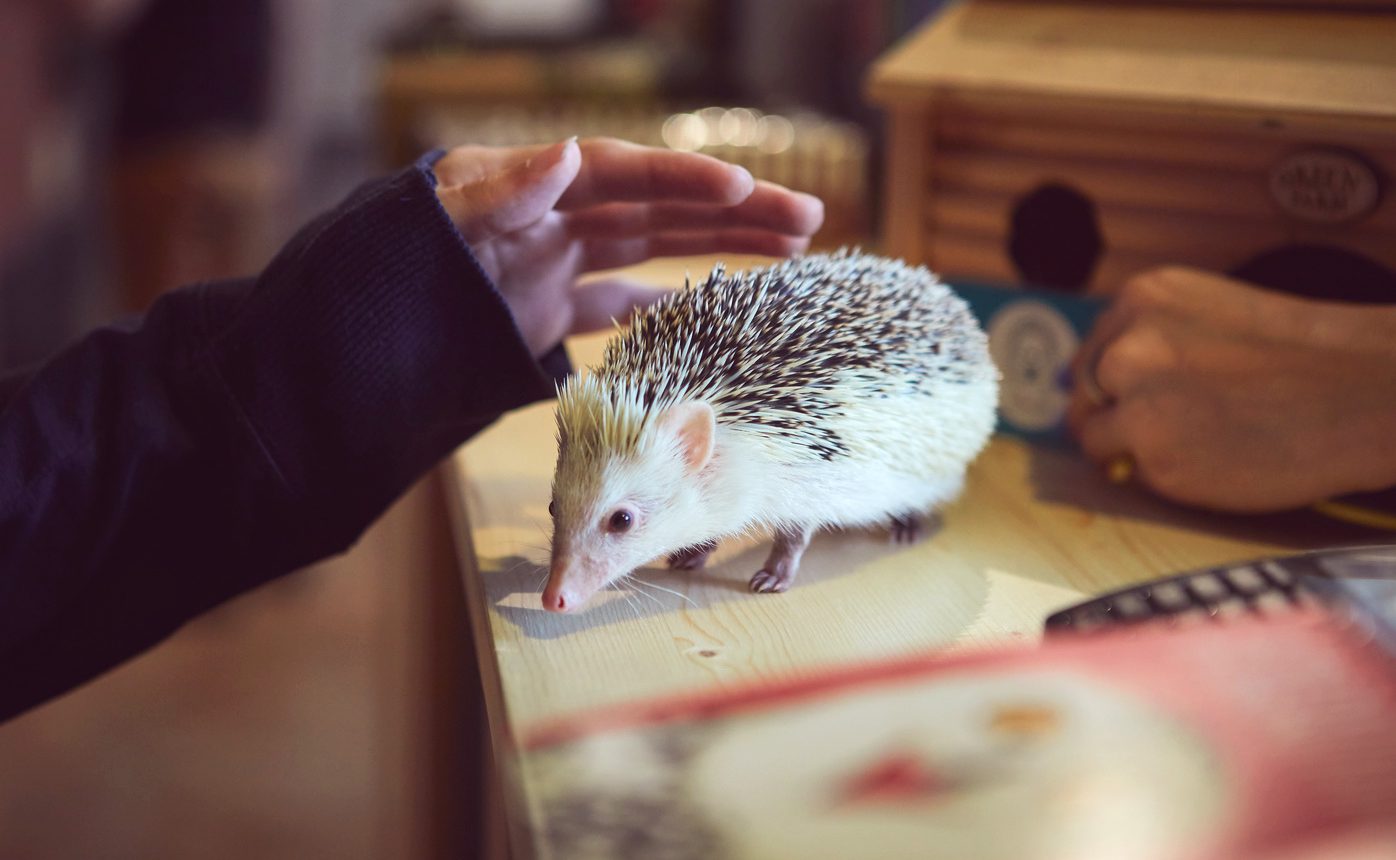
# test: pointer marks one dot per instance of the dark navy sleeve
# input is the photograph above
(241, 430)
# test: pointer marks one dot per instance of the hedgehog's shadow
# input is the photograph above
(513, 583)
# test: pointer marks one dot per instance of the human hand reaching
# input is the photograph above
(1235, 398)
(538, 217)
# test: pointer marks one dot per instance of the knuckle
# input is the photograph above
(1137, 354)
(1149, 289)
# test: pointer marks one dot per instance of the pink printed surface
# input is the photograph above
(1220, 741)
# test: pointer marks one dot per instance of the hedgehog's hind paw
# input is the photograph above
(907, 528)
(692, 557)
(779, 570)
(910, 528)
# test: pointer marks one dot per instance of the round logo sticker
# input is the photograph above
(1032, 345)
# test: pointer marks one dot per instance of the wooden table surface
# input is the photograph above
(1035, 530)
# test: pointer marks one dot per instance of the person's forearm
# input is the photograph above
(241, 431)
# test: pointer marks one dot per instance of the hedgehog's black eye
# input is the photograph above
(621, 520)
(552, 509)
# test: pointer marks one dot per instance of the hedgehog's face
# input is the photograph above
(614, 511)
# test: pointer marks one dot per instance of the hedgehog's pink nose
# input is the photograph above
(562, 594)
(555, 598)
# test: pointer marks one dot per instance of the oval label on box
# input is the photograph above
(1326, 185)
(1031, 344)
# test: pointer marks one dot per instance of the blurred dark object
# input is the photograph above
(50, 134)
(188, 178)
(1055, 238)
(193, 67)
(44, 285)
(1359, 583)
(1295, 4)
(1321, 272)
(189, 210)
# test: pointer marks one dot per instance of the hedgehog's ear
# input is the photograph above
(695, 425)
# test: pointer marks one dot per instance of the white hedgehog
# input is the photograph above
(842, 390)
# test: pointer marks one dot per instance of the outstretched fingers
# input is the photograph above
(615, 171)
(769, 207)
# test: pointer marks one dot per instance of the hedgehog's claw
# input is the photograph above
(692, 557)
(779, 570)
(766, 582)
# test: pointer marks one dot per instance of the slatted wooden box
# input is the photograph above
(1194, 134)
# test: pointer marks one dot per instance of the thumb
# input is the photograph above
(512, 198)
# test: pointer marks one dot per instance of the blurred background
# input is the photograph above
(146, 144)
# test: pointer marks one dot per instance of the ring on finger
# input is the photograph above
(1119, 469)
(1090, 386)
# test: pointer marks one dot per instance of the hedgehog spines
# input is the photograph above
(778, 351)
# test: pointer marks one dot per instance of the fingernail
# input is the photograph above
(748, 183)
(561, 147)
(557, 149)
(552, 154)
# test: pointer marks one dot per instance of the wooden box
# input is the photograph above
(1073, 144)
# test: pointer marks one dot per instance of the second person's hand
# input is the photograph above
(1235, 398)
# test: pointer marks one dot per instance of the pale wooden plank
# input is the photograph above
(1147, 186)
(1140, 137)
(1271, 60)
(908, 156)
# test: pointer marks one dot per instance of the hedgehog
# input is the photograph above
(827, 391)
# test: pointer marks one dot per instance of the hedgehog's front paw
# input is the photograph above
(692, 557)
(779, 570)
(767, 582)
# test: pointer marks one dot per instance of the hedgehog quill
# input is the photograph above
(836, 390)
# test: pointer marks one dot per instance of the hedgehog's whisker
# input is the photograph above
(639, 581)
(630, 589)
(629, 595)
(632, 581)
(523, 562)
